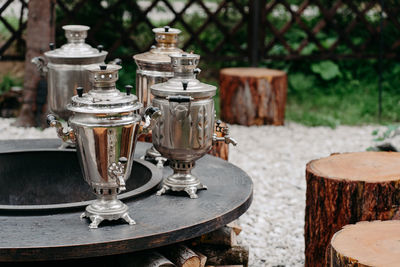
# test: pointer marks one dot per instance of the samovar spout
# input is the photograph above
(224, 130)
(117, 171)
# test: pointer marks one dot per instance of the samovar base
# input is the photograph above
(181, 180)
(153, 155)
(106, 209)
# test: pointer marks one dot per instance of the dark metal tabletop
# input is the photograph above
(161, 220)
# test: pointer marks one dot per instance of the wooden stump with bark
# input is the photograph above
(364, 244)
(344, 189)
(253, 96)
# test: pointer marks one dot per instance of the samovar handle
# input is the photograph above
(41, 65)
(179, 99)
(150, 117)
(116, 61)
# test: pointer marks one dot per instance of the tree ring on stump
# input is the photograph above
(375, 243)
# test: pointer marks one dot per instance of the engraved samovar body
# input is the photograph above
(185, 132)
(104, 126)
(154, 67)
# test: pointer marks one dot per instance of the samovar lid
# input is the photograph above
(167, 39)
(75, 49)
(184, 81)
(104, 97)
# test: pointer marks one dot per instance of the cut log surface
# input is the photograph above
(149, 258)
(253, 96)
(235, 226)
(181, 256)
(203, 258)
(375, 243)
(344, 189)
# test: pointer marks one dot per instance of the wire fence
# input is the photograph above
(223, 30)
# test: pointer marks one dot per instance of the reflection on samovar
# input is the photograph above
(105, 125)
(185, 132)
(154, 67)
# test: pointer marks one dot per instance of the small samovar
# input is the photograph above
(185, 131)
(104, 125)
(65, 68)
(154, 67)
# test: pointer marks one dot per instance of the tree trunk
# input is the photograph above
(40, 32)
(373, 243)
(344, 189)
(253, 96)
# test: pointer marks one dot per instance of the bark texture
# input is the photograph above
(344, 189)
(40, 32)
(253, 96)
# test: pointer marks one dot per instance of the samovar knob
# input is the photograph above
(103, 67)
(128, 89)
(79, 90)
(166, 28)
(52, 46)
(100, 48)
(185, 85)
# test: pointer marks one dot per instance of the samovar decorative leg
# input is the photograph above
(96, 220)
(192, 190)
(128, 219)
(163, 190)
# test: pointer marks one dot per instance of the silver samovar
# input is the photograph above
(154, 67)
(65, 68)
(185, 132)
(104, 125)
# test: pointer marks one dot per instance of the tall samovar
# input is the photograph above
(185, 131)
(104, 125)
(154, 67)
(65, 68)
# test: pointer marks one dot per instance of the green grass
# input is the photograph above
(346, 94)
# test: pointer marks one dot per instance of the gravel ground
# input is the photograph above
(275, 158)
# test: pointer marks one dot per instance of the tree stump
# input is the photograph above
(367, 244)
(253, 96)
(344, 189)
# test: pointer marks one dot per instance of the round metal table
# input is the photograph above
(161, 220)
